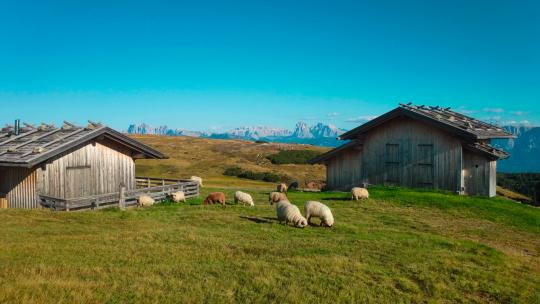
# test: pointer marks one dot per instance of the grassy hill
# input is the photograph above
(209, 158)
(399, 246)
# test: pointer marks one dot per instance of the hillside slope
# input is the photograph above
(209, 158)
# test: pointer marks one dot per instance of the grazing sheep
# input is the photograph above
(197, 179)
(275, 197)
(282, 188)
(293, 185)
(359, 193)
(316, 185)
(215, 197)
(289, 213)
(145, 200)
(244, 198)
(178, 196)
(320, 210)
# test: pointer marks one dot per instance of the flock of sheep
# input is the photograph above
(286, 211)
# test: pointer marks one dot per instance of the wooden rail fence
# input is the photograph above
(157, 188)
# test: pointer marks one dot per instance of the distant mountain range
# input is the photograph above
(524, 150)
(319, 134)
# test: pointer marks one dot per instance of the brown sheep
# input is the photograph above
(316, 185)
(215, 197)
(275, 197)
(282, 188)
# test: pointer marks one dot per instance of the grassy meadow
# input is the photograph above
(399, 246)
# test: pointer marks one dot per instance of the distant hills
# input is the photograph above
(524, 150)
(319, 134)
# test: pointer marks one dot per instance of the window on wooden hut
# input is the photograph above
(392, 160)
(424, 165)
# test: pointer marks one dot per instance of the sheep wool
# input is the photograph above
(244, 198)
(282, 188)
(178, 196)
(215, 197)
(320, 210)
(275, 197)
(289, 213)
(197, 179)
(145, 200)
(359, 193)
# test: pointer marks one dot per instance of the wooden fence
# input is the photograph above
(157, 188)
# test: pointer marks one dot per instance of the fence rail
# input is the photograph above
(157, 188)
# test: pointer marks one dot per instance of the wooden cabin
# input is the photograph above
(66, 163)
(418, 146)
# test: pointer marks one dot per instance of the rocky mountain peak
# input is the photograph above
(302, 131)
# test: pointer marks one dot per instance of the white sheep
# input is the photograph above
(197, 179)
(178, 196)
(244, 198)
(320, 210)
(359, 193)
(289, 213)
(282, 187)
(145, 200)
(275, 197)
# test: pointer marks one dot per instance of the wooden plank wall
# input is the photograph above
(94, 168)
(412, 137)
(19, 186)
(345, 171)
(479, 175)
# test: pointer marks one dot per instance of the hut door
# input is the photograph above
(424, 166)
(393, 164)
(78, 182)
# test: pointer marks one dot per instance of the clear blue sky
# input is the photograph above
(221, 64)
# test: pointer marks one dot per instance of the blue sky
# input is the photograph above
(215, 65)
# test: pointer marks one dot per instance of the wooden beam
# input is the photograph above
(32, 140)
(56, 140)
(18, 137)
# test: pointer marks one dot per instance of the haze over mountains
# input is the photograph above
(524, 150)
(319, 134)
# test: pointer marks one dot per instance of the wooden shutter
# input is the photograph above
(393, 164)
(424, 165)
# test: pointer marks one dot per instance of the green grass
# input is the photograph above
(399, 246)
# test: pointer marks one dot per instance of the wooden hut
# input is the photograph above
(418, 146)
(68, 167)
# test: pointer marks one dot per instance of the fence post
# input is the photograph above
(122, 199)
(148, 182)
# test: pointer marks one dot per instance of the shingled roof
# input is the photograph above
(34, 145)
(454, 122)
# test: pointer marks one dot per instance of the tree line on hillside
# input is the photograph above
(525, 183)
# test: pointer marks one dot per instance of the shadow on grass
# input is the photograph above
(345, 199)
(264, 220)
